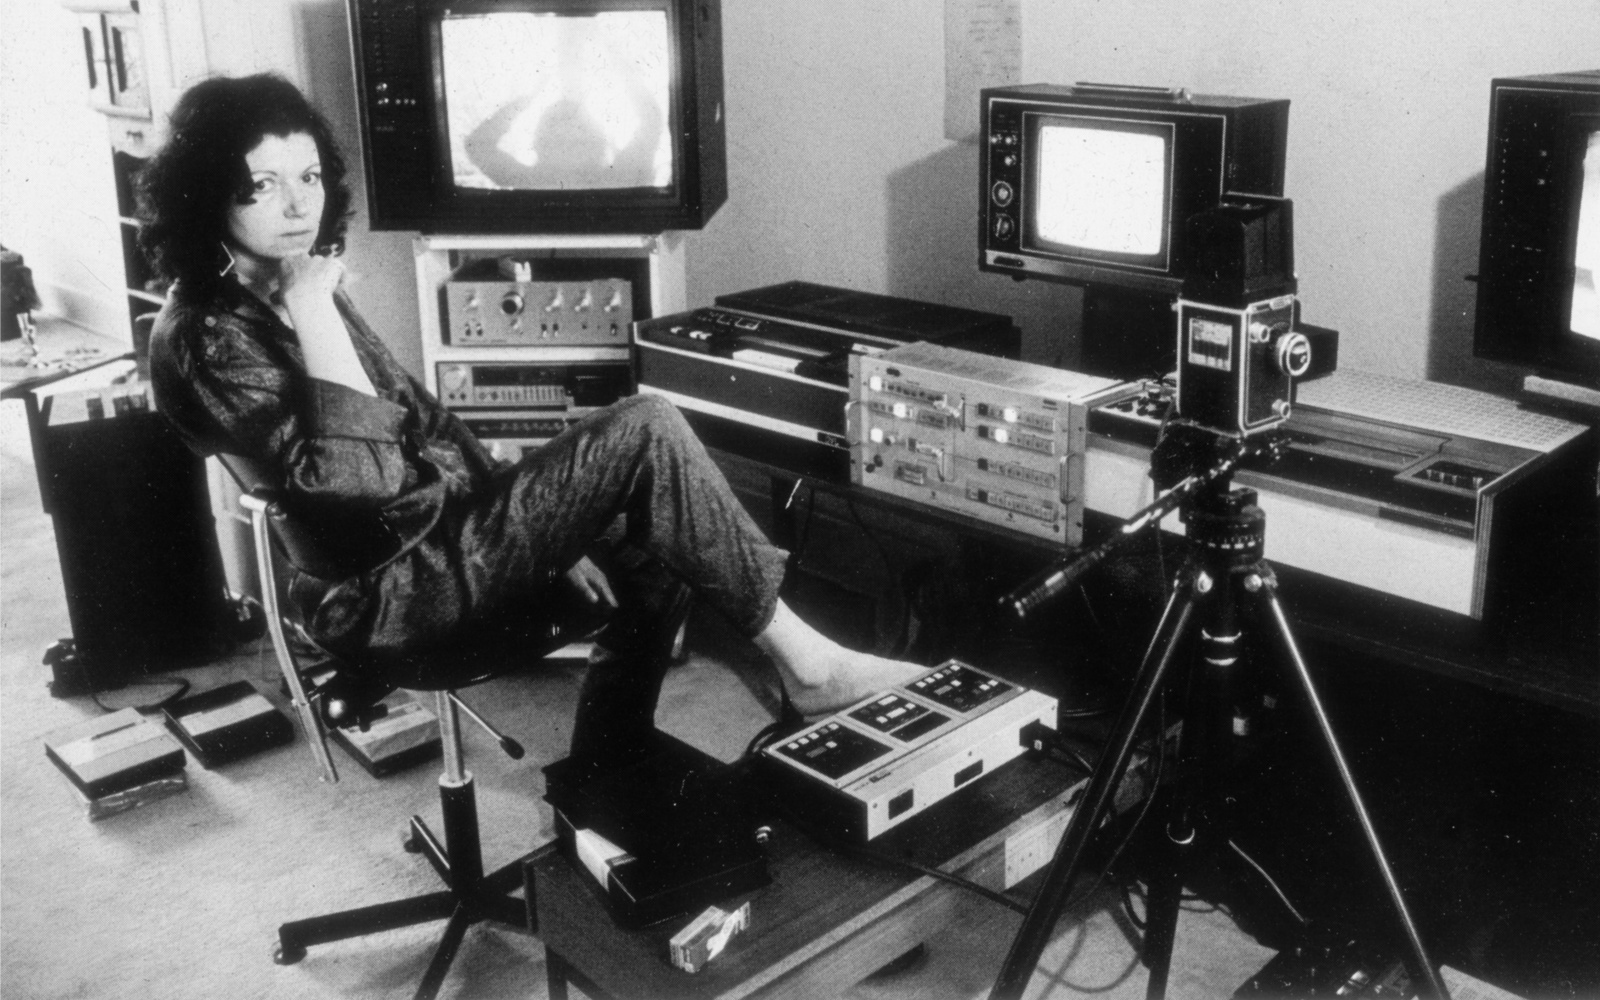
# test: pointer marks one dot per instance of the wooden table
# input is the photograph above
(828, 920)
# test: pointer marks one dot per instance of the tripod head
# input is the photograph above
(1187, 450)
(1226, 523)
(1193, 469)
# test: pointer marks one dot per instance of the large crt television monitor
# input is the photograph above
(540, 116)
(1539, 250)
(1093, 185)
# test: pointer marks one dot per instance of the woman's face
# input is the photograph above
(285, 213)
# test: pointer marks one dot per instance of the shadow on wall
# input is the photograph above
(325, 40)
(932, 246)
(380, 272)
(1453, 311)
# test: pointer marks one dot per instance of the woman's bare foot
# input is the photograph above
(822, 676)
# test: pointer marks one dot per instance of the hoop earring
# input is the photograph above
(229, 265)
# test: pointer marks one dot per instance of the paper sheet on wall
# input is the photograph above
(982, 48)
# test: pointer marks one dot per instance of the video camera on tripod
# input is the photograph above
(1238, 351)
(1238, 355)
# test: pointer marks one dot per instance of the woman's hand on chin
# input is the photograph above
(306, 285)
(307, 280)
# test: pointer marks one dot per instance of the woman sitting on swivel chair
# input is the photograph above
(259, 354)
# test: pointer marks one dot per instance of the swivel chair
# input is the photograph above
(348, 694)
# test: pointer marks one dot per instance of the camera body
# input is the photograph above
(1237, 365)
(1238, 350)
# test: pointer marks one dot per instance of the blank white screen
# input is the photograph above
(1101, 190)
(1586, 259)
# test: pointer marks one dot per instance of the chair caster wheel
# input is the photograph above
(410, 841)
(286, 956)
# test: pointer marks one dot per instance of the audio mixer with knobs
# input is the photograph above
(593, 313)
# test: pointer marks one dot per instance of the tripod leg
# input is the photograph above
(1161, 924)
(1098, 801)
(1194, 814)
(1423, 971)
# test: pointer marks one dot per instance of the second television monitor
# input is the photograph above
(1091, 184)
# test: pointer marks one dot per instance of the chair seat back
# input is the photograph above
(300, 546)
(351, 685)
(328, 547)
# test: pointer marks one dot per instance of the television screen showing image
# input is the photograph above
(545, 102)
(1585, 317)
(1102, 190)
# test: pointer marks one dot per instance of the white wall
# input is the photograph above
(839, 172)
(838, 169)
(57, 204)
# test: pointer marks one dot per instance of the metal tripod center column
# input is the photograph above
(1227, 528)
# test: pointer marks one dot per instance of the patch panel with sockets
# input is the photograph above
(998, 440)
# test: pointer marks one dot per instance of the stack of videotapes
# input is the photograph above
(227, 723)
(117, 761)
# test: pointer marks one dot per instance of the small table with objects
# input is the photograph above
(829, 918)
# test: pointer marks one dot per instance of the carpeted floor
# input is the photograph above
(180, 899)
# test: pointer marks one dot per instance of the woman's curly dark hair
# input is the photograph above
(188, 186)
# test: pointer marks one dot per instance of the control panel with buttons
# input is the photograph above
(533, 384)
(865, 770)
(590, 313)
(1005, 174)
(1406, 473)
(990, 438)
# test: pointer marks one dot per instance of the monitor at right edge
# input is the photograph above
(1539, 256)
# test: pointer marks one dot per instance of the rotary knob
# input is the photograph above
(511, 303)
(453, 380)
(1294, 354)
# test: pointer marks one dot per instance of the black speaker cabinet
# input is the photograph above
(138, 549)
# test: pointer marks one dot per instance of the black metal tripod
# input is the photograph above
(1227, 530)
